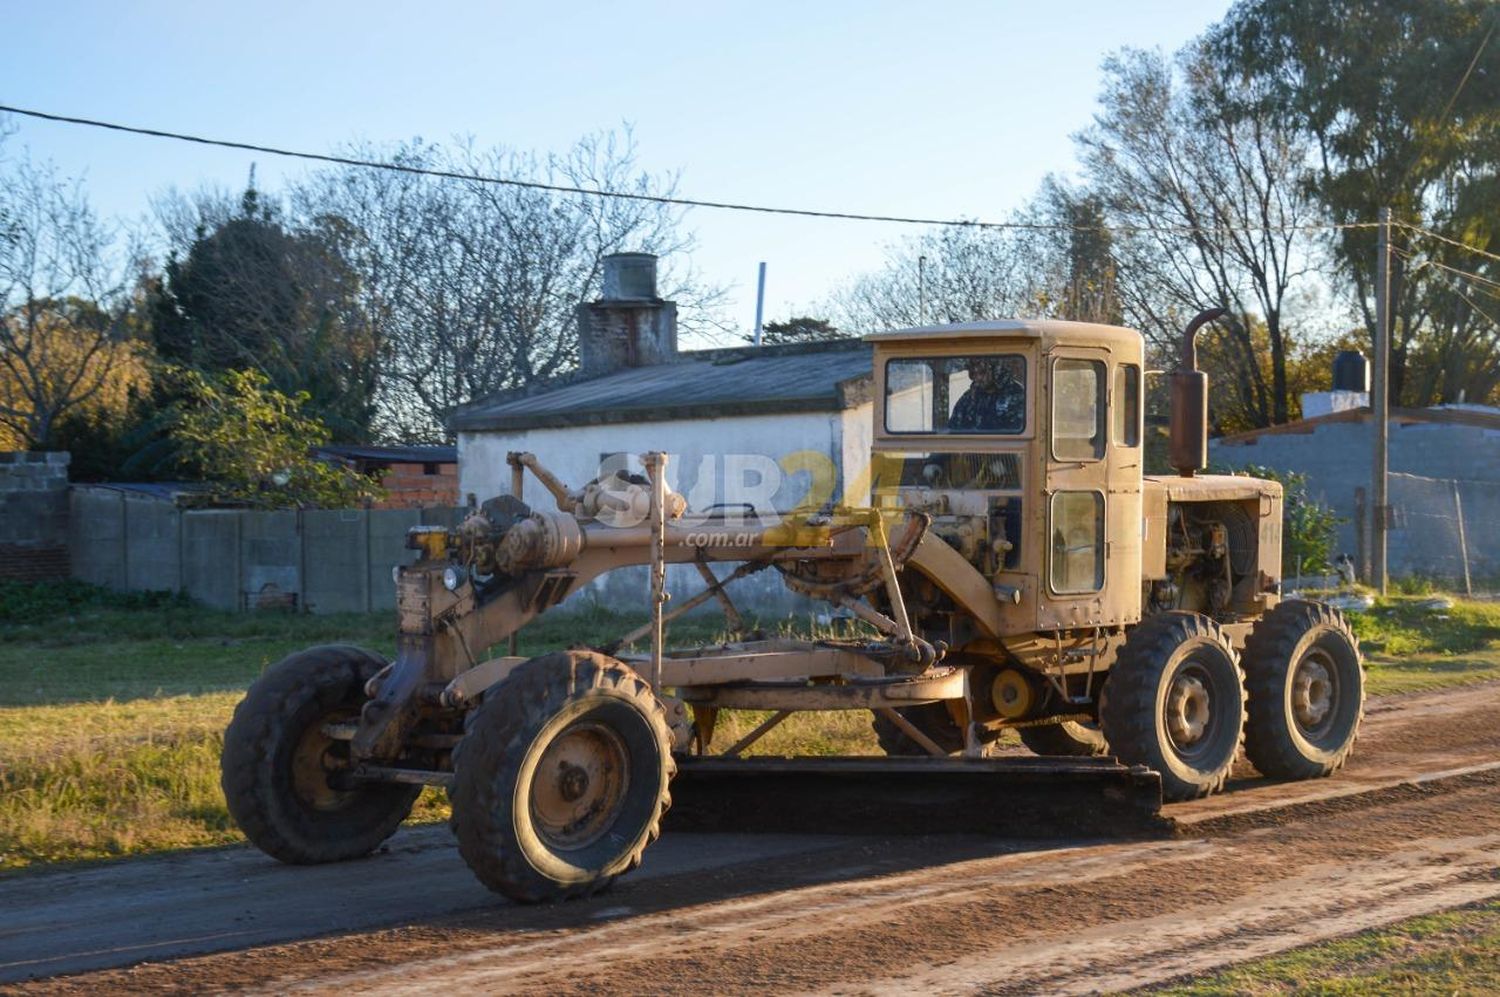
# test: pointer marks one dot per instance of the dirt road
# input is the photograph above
(1413, 826)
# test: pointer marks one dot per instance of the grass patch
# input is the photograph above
(112, 713)
(1457, 952)
(1409, 648)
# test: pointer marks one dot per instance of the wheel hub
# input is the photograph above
(1312, 692)
(1187, 710)
(316, 758)
(579, 785)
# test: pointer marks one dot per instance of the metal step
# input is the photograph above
(1024, 797)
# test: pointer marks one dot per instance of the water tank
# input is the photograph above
(1351, 371)
(630, 277)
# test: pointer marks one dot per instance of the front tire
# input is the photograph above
(1175, 702)
(277, 761)
(562, 778)
(1307, 691)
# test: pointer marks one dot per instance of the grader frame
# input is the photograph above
(1024, 576)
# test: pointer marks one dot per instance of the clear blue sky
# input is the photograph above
(942, 109)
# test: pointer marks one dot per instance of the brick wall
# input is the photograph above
(33, 516)
(409, 486)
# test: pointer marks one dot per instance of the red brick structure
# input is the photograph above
(418, 477)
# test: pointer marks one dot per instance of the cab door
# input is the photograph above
(1086, 544)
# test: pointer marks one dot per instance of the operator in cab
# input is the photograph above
(995, 401)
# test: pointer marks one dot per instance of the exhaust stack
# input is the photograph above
(1188, 445)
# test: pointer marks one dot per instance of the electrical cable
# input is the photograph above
(665, 199)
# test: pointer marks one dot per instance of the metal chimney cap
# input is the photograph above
(630, 277)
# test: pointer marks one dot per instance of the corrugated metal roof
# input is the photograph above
(801, 377)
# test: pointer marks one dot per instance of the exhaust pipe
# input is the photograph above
(1188, 445)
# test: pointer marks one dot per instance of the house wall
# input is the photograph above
(757, 459)
(1428, 461)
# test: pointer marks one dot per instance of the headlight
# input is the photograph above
(452, 578)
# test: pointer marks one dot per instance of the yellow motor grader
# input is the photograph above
(1017, 568)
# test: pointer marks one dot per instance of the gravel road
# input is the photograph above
(1409, 828)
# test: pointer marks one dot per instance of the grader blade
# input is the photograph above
(1015, 797)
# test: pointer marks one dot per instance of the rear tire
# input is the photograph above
(276, 761)
(1069, 738)
(1175, 702)
(932, 719)
(561, 780)
(1307, 691)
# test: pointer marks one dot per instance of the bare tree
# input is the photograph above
(470, 287)
(946, 275)
(61, 345)
(1212, 210)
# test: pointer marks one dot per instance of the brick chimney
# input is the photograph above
(629, 326)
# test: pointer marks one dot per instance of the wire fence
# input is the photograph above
(1445, 529)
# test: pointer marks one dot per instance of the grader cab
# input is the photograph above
(1015, 570)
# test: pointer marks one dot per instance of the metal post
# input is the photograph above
(921, 290)
(1463, 540)
(760, 301)
(1380, 405)
(656, 467)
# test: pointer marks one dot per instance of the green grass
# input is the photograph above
(1409, 648)
(1457, 952)
(112, 707)
(112, 711)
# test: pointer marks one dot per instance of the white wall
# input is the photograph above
(733, 459)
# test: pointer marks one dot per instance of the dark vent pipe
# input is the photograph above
(1188, 446)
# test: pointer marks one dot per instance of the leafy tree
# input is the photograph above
(1401, 103)
(252, 443)
(1210, 210)
(251, 292)
(802, 329)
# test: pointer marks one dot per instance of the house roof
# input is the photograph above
(699, 384)
(390, 455)
(1480, 417)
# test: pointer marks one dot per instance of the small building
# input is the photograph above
(743, 426)
(414, 477)
(1444, 484)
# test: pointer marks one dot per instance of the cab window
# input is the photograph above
(1077, 409)
(982, 394)
(1077, 542)
(1127, 405)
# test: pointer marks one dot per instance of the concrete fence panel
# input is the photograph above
(154, 561)
(211, 557)
(96, 537)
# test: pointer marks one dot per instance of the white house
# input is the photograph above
(759, 426)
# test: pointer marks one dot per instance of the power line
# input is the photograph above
(1467, 73)
(1452, 242)
(661, 198)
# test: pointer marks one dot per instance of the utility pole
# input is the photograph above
(1380, 404)
(921, 290)
(760, 300)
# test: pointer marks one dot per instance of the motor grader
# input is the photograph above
(1014, 569)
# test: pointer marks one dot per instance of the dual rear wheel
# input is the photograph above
(1181, 701)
